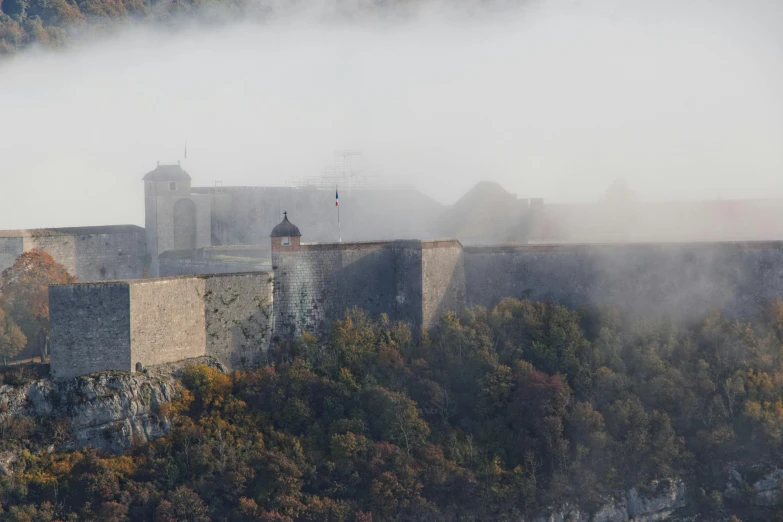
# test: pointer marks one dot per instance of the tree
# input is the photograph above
(24, 293)
(12, 340)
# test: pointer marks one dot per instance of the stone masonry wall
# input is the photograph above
(443, 280)
(316, 284)
(167, 320)
(89, 253)
(170, 267)
(89, 328)
(10, 249)
(312, 290)
(407, 303)
(683, 281)
(112, 326)
(239, 317)
(61, 247)
(102, 257)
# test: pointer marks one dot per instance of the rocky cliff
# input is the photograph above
(109, 411)
(662, 501)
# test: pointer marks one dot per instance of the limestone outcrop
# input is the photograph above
(662, 502)
(764, 491)
(110, 411)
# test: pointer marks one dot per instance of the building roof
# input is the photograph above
(167, 173)
(286, 228)
(73, 231)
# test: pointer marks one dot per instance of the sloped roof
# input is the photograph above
(167, 173)
(286, 228)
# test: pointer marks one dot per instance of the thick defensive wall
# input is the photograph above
(114, 326)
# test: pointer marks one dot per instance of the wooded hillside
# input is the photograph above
(497, 414)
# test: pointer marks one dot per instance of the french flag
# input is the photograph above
(336, 199)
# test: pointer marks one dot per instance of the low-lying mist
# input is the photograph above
(551, 99)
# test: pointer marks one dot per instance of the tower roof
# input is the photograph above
(167, 173)
(286, 228)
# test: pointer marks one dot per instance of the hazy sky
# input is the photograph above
(682, 98)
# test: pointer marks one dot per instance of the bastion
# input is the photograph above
(128, 325)
(234, 317)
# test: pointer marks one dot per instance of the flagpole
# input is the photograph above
(337, 201)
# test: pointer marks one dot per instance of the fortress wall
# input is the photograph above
(683, 281)
(101, 257)
(61, 247)
(245, 215)
(167, 320)
(90, 256)
(10, 249)
(239, 317)
(314, 286)
(203, 219)
(303, 283)
(259, 252)
(170, 267)
(89, 328)
(112, 326)
(163, 212)
(443, 280)
(405, 304)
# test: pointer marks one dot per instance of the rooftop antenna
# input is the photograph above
(337, 204)
(347, 171)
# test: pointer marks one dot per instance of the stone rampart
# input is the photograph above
(409, 281)
(443, 280)
(167, 320)
(10, 249)
(89, 253)
(113, 326)
(679, 280)
(170, 267)
(234, 317)
(89, 328)
(239, 317)
(315, 285)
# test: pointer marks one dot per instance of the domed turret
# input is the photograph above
(285, 236)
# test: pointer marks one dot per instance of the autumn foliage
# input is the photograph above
(495, 416)
(12, 340)
(24, 291)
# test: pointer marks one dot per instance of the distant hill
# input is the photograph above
(53, 23)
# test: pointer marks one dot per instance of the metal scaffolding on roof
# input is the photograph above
(348, 172)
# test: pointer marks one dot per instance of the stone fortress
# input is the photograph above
(203, 277)
(128, 325)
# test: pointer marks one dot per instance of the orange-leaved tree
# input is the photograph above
(12, 340)
(24, 293)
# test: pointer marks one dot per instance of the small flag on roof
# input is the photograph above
(336, 198)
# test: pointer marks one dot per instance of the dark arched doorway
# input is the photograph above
(184, 225)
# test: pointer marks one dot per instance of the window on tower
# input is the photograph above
(172, 185)
(285, 241)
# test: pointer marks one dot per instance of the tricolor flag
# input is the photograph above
(336, 199)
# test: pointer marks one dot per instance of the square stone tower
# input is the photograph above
(171, 217)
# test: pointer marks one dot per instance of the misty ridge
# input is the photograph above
(549, 99)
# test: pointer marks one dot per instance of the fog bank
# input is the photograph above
(554, 99)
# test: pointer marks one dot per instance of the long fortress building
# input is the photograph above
(224, 272)
(127, 325)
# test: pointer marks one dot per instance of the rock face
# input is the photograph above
(108, 411)
(666, 497)
(767, 491)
